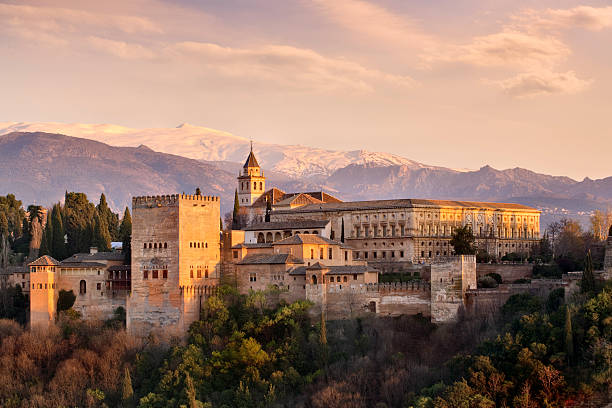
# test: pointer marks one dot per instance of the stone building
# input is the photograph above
(87, 275)
(392, 235)
(175, 259)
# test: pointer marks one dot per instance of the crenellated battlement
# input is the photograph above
(169, 200)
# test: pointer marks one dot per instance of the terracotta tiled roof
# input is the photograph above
(304, 224)
(298, 239)
(257, 259)
(405, 203)
(44, 260)
(99, 256)
(249, 245)
(333, 270)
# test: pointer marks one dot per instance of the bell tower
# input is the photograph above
(251, 181)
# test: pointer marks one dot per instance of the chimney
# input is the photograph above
(93, 250)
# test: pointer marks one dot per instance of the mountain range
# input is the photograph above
(39, 161)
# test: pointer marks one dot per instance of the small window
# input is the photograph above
(354, 277)
(320, 253)
(98, 286)
(191, 245)
(199, 273)
(191, 274)
(82, 287)
(346, 279)
(346, 255)
(145, 275)
(155, 245)
(165, 245)
(165, 274)
(252, 277)
(155, 274)
(329, 253)
(206, 273)
(145, 245)
(235, 254)
(312, 254)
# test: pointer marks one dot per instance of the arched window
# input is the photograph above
(160, 245)
(312, 254)
(198, 244)
(165, 245)
(155, 245)
(277, 237)
(269, 237)
(145, 245)
(82, 287)
(150, 245)
(254, 185)
(206, 273)
(206, 245)
(260, 238)
(314, 279)
(260, 185)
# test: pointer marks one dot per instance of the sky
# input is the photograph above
(459, 84)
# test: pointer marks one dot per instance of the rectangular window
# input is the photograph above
(329, 253)
(366, 255)
(98, 286)
(401, 254)
(354, 277)
(392, 254)
(235, 254)
(191, 274)
(375, 254)
(384, 254)
(145, 275)
(346, 255)
(165, 274)
(155, 274)
(321, 253)
(252, 277)
(199, 273)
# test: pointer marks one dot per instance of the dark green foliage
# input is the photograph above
(268, 209)
(463, 241)
(587, 284)
(514, 257)
(78, 222)
(46, 243)
(522, 280)
(547, 271)
(109, 218)
(198, 192)
(569, 335)
(483, 257)
(65, 300)
(13, 304)
(487, 282)
(521, 304)
(236, 212)
(58, 242)
(555, 300)
(496, 276)
(125, 234)
(101, 237)
(11, 217)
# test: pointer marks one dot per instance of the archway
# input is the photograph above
(314, 279)
(82, 287)
(260, 238)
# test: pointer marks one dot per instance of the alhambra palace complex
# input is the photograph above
(313, 246)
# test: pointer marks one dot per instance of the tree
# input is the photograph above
(463, 241)
(78, 222)
(198, 192)
(342, 231)
(127, 392)
(46, 242)
(101, 237)
(268, 209)
(4, 227)
(236, 213)
(58, 244)
(125, 233)
(569, 337)
(110, 218)
(65, 300)
(587, 283)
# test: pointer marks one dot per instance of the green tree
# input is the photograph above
(236, 213)
(587, 284)
(78, 222)
(46, 242)
(110, 218)
(58, 243)
(101, 237)
(125, 233)
(65, 300)
(4, 227)
(463, 241)
(569, 336)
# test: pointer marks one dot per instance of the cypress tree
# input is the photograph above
(192, 402)
(4, 227)
(235, 214)
(268, 209)
(110, 218)
(569, 336)
(46, 242)
(127, 392)
(125, 233)
(58, 244)
(101, 237)
(588, 278)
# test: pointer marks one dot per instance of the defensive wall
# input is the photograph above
(508, 272)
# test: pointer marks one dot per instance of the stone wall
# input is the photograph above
(449, 282)
(608, 256)
(508, 272)
(184, 230)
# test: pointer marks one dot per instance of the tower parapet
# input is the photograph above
(169, 200)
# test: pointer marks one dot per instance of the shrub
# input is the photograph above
(487, 282)
(496, 276)
(547, 270)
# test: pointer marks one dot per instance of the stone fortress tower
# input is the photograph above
(251, 181)
(175, 259)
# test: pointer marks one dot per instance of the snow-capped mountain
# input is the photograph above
(201, 143)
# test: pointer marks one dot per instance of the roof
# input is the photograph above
(114, 268)
(299, 239)
(251, 161)
(82, 265)
(279, 197)
(99, 256)
(404, 203)
(299, 198)
(334, 270)
(259, 259)
(44, 260)
(252, 245)
(286, 225)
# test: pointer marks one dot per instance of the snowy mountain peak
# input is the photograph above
(201, 143)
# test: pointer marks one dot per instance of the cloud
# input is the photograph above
(585, 17)
(526, 85)
(121, 49)
(57, 26)
(293, 67)
(506, 48)
(372, 21)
